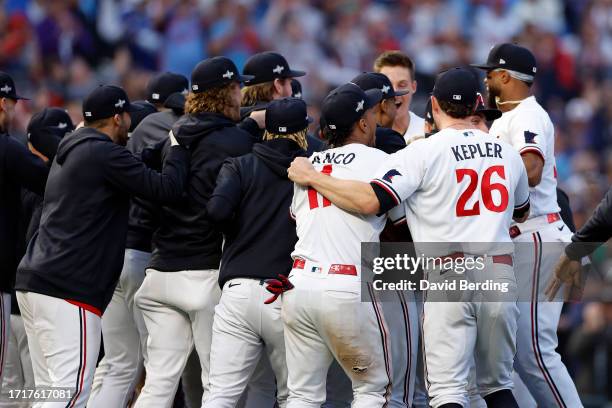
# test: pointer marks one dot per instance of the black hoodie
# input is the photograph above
(77, 252)
(251, 203)
(185, 239)
(18, 168)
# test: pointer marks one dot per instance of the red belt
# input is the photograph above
(515, 231)
(334, 269)
(498, 259)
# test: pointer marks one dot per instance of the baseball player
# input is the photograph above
(180, 289)
(324, 317)
(399, 68)
(18, 168)
(510, 72)
(123, 326)
(248, 201)
(420, 178)
(70, 269)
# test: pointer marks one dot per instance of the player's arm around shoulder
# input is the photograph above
(350, 195)
(227, 193)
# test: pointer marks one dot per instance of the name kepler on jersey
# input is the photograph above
(470, 151)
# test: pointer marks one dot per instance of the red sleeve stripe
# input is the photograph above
(388, 189)
(291, 214)
(532, 149)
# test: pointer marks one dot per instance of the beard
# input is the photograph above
(122, 136)
(492, 95)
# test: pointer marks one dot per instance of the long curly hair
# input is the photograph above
(215, 100)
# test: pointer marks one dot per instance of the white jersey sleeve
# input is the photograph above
(527, 134)
(403, 173)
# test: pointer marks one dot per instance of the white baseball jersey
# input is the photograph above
(326, 233)
(457, 186)
(528, 128)
(416, 127)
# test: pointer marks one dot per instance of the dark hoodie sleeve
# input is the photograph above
(24, 168)
(596, 231)
(227, 194)
(131, 175)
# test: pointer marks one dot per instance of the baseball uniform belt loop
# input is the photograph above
(505, 259)
(551, 218)
(334, 269)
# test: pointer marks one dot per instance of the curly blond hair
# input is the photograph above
(257, 93)
(215, 100)
(297, 137)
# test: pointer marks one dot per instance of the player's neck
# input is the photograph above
(511, 99)
(401, 123)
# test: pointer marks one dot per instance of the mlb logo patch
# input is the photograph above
(315, 269)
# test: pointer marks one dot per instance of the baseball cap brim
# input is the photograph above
(134, 108)
(485, 67)
(490, 114)
(17, 98)
(244, 78)
(400, 93)
(373, 97)
(293, 73)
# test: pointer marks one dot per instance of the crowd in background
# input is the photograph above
(58, 50)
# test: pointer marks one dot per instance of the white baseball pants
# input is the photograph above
(64, 341)
(178, 310)
(18, 372)
(537, 250)
(125, 335)
(457, 333)
(324, 321)
(243, 328)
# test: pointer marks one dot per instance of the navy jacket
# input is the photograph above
(185, 239)
(251, 201)
(77, 252)
(144, 214)
(18, 168)
(596, 231)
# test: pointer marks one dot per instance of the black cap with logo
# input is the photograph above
(511, 57)
(214, 72)
(286, 116)
(346, 104)
(7, 87)
(458, 86)
(376, 80)
(267, 66)
(106, 101)
(162, 85)
(47, 128)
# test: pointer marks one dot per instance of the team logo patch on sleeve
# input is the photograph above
(529, 136)
(390, 174)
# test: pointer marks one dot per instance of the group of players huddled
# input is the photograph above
(205, 235)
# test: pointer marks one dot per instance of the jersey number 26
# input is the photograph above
(486, 189)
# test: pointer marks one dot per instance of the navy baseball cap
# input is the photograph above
(296, 88)
(161, 86)
(458, 86)
(511, 57)
(7, 87)
(286, 116)
(346, 104)
(106, 101)
(146, 108)
(214, 72)
(46, 128)
(376, 80)
(267, 66)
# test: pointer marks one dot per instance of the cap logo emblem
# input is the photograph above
(360, 105)
(120, 104)
(297, 95)
(457, 97)
(228, 74)
(87, 113)
(62, 125)
(155, 96)
(195, 87)
(502, 61)
(6, 89)
(385, 89)
(332, 126)
(534, 69)
(282, 129)
(278, 69)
